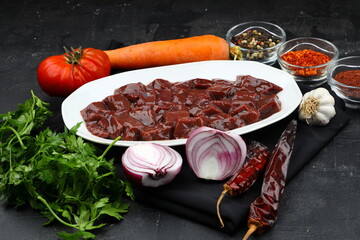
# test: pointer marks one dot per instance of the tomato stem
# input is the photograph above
(73, 57)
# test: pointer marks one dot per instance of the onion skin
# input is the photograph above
(151, 164)
(213, 154)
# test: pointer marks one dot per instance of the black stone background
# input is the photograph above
(321, 202)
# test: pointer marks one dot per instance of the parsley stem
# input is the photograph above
(109, 147)
(17, 136)
(54, 214)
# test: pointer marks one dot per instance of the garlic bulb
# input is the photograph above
(317, 107)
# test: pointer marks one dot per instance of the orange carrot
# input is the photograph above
(168, 52)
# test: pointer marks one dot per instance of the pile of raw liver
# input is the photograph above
(162, 110)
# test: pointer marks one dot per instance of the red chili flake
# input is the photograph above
(306, 58)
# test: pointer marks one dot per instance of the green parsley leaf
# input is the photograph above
(58, 174)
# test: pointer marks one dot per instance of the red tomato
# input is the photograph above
(60, 75)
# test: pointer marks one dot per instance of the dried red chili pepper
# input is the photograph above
(264, 210)
(257, 155)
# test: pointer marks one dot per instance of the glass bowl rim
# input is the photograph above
(332, 81)
(282, 40)
(335, 58)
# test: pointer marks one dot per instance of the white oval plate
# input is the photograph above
(97, 90)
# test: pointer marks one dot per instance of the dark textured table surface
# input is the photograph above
(321, 202)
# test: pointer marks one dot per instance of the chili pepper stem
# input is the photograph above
(218, 207)
(252, 229)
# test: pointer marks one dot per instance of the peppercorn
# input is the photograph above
(255, 39)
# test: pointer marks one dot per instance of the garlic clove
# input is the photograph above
(321, 119)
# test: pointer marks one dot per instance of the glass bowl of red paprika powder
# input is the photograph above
(344, 80)
(307, 59)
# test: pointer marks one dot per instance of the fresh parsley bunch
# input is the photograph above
(58, 174)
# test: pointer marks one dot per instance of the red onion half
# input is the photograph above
(213, 154)
(151, 164)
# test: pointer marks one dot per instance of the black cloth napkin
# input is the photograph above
(195, 199)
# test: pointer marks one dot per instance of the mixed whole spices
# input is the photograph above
(306, 58)
(264, 209)
(257, 40)
(58, 174)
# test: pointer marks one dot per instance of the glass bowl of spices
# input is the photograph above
(307, 59)
(255, 41)
(344, 80)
